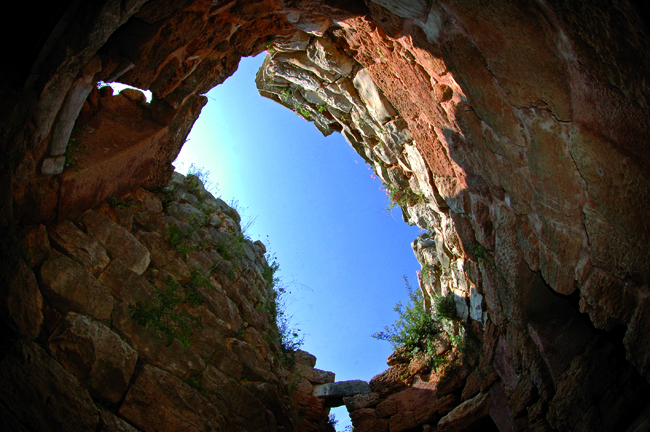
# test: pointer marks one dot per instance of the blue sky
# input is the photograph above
(318, 210)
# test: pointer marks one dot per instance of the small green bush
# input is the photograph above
(402, 197)
(166, 310)
(414, 326)
(177, 239)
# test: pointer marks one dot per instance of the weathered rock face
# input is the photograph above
(501, 183)
(515, 133)
(181, 343)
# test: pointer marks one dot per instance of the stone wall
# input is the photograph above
(474, 248)
(152, 312)
(515, 133)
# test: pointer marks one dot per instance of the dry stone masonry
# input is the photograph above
(157, 315)
(515, 133)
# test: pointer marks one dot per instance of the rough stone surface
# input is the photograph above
(111, 423)
(518, 140)
(72, 288)
(24, 301)
(315, 376)
(67, 237)
(155, 347)
(37, 244)
(356, 402)
(95, 355)
(41, 394)
(160, 401)
(465, 414)
(117, 241)
(342, 389)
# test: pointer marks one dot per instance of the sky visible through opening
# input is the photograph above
(316, 207)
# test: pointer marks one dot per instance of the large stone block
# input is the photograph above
(79, 245)
(465, 414)
(41, 394)
(154, 347)
(341, 389)
(24, 301)
(117, 241)
(99, 358)
(378, 106)
(315, 376)
(72, 288)
(112, 423)
(159, 401)
(124, 284)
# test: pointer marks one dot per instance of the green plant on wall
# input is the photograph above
(166, 310)
(289, 336)
(402, 197)
(72, 151)
(285, 94)
(416, 326)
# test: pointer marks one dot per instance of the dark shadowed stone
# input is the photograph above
(254, 369)
(152, 345)
(560, 335)
(609, 390)
(41, 394)
(37, 244)
(356, 402)
(10, 422)
(118, 242)
(74, 242)
(503, 366)
(499, 408)
(465, 414)
(95, 355)
(24, 301)
(365, 420)
(159, 401)
(125, 284)
(111, 423)
(72, 288)
(231, 395)
(636, 339)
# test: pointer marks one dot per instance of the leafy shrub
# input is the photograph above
(414, 326)
(402, 197)
(166, 310)
(177, 239)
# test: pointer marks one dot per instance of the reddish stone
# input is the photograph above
(37, 245)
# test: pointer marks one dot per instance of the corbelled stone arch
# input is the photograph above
(528, 124)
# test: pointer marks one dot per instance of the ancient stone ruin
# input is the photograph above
(515, 133)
